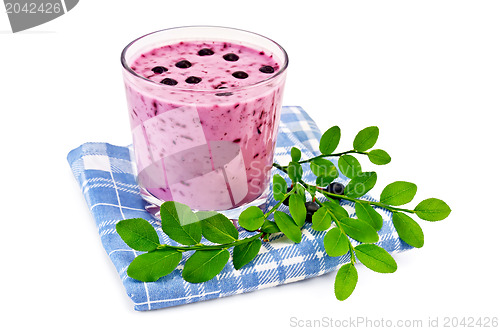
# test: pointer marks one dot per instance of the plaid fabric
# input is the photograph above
(105, 175)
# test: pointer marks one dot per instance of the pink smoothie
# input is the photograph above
(204, 119)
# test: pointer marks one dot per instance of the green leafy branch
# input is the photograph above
(185, 227)
(323, 209)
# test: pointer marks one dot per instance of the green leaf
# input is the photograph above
(204, 265)
(324, 167)
(217, 228)
(295, 171)
(244, 253)
(297, 209)
(180, 223)
(270, 227)
(323, 181)
(408, 230)
(300, 192)
(329, 140)
(321, 219)
(361, 184)
(366, 138)
(345, 281)
(287, 226)
(336, 209)
(296, 154)
(251, 218)
(367, 213)
(138, 234)
(331, 201)
(432, 210)
(149, 267)
(379, 156)
(349, 166)
(359, 230)
(398, 193)
(279, 187)
(375, 258)
(336, 243)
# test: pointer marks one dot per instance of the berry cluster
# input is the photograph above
(184, 64)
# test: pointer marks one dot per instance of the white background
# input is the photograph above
(426, 72)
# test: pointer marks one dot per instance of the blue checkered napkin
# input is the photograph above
(105, 175)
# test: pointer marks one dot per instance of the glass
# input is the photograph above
(209, 148)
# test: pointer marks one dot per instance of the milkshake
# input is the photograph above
(204, 107)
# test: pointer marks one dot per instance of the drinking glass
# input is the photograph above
(211, 149)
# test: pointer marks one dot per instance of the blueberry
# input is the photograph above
(193, 80)
(285, 202)
(169, 81)
(335, 188)
(231, 57)
(205, 52)
(183, 64)
(240, 74)
(159, 70)
(311, 208)
(266, 69)
(223, 94)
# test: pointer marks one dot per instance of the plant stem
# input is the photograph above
(277, 166)
(335, 220)
(279, 203)
(345, 197)
(373, 203)
(201, 247)
(352, 151)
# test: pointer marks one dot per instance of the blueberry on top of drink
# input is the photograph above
(266, 69)
(159, 69)
(231, 57)
(240, 74)
(205, 52)
(169, 81)
(184, 64)
(193, 80)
